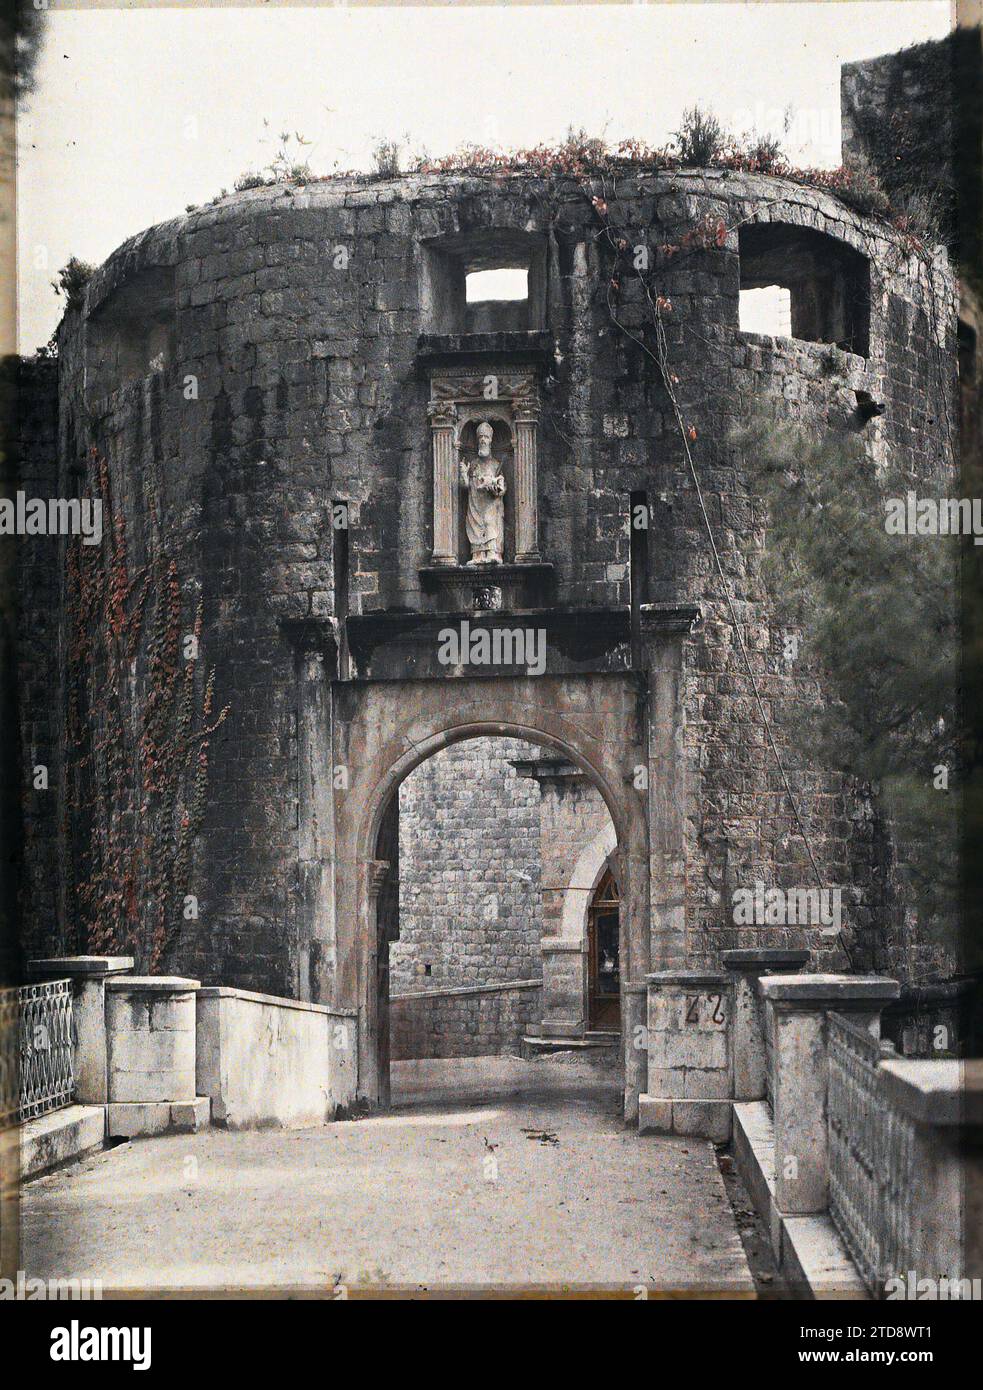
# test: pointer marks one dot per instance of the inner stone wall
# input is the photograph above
(470, 906)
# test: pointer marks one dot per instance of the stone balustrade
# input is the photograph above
(932, 1159)
(796, 1015)
(862, 1164)
(158, 1053)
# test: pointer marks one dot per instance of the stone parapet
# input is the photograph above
(933, 1136)
(750, 1052)
(150, 1028)
(796, 1012)
(267, 1061)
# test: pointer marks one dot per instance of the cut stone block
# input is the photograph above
(54, 1139)
(191, 1116)
(703, 1119)
(654, 1116)
(126, 1120)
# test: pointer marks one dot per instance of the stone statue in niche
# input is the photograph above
(485, 522)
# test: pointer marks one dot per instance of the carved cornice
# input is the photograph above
(467, 387)
(456, 351)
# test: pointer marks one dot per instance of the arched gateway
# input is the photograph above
(596, 722)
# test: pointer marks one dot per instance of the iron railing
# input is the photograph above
(862, 1202)
(36, 1053)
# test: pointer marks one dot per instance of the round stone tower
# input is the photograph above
(285, 400)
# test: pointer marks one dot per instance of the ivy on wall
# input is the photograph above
(139, 723)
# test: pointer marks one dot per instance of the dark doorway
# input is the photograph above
(603, 958)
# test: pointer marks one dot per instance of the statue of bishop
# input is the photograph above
(486, 511)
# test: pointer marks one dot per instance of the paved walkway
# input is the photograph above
(545, 1187)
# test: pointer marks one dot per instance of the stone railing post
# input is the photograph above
(151, 1052)
(934, 1141)
(748, 1042)
(797, 1007)
(89, 976)
(690, 1088)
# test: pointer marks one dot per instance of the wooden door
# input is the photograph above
(603, 958)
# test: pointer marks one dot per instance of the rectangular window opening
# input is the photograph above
(801, 283)
(767, 310)
(508, 283)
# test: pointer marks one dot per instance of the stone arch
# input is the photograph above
(587, 874)
(382, 730)
(419, 753)
(383, 880)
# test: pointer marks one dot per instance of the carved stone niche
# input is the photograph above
(508, 399)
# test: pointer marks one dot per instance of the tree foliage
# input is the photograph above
(879, 616)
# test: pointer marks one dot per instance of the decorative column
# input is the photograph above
(797, 1007)
(748, 1040)
(88, 975)
(525, 416)
(443, 415)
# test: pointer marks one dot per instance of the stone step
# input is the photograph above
(590, 1042)
(59, 1137)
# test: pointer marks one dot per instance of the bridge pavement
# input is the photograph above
(498, 1173)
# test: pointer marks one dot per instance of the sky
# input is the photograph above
(138, 113)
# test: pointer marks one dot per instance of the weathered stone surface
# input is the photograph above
(150, 1039)
(749, 1045)
(469, 870)
(54, 1139)
(796, 1018)
(268, 1062)
(943, 1092)
(469, 1022)
(353, 1199)
(308, 389)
